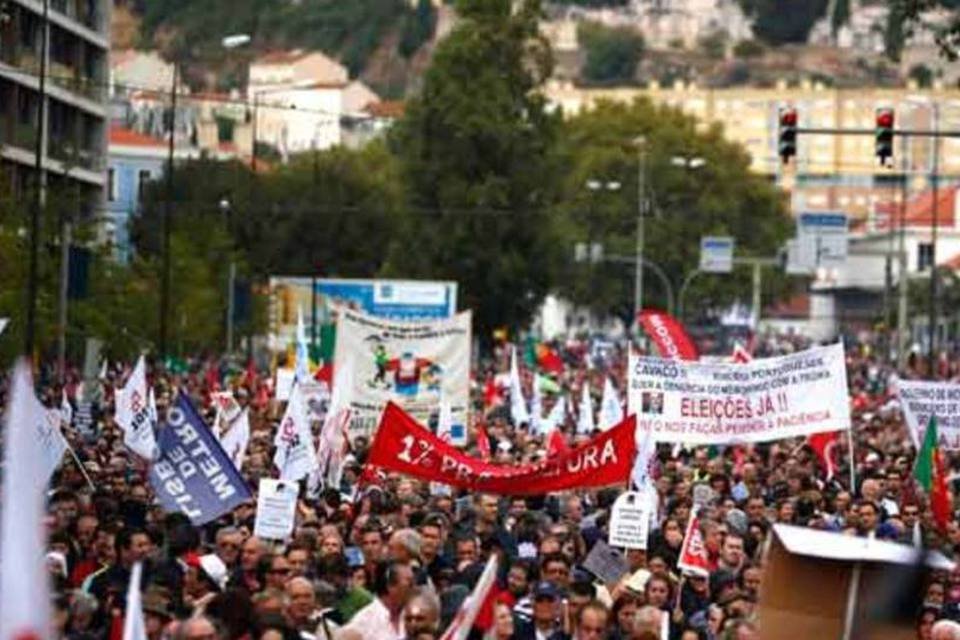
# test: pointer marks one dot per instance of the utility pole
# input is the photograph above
(39, 197)
(933, 243)
(167, 213)
(641, 216)
(903, 277)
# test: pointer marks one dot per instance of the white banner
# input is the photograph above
(717, 403)
(413, 364)
(134, 415)
(295, 456)
(920, 400)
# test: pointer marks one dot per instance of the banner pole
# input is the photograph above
(83, 470)
(851, 609)
(853, 462)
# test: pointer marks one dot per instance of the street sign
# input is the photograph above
(822, 238)
(795, 265)
(716, 254)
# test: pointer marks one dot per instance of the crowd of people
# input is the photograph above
(397, 558)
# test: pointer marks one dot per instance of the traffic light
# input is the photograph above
(885, 121)
(788, 133)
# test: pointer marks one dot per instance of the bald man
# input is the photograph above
(945, 630)
(301, 604)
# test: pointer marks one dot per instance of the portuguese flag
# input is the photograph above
(931, 474)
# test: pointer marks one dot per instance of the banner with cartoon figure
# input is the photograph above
(413, 364)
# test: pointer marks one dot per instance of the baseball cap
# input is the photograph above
(546, 589)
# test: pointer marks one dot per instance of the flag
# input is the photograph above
(549, 360)
(483, 442)
(556, 443)
(556, 417)
(236, 438)
(740, 354)
(295, 456)
(518, 405)
(302, 368)
(693, 553)
(491, 394)
(611, 411)
(824, 445)
(548, 384)
(536, 406)
(133, 413)
(134, 627)
(669, 335)
(445, 420)
(24, 592)
(334, 440)
(152, 407)
(931, 474)
(66, 409)
(585, 422)
(463, 622)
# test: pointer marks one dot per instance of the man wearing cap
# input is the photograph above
(547, 614)
(156, 611)
(206, 576)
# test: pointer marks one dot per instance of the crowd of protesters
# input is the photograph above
(397, 558)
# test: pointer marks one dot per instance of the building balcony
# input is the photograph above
(71, 155)
(16, 134)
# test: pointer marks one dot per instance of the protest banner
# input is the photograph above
(276, 509)
(717, 403)
(402, 445)
(920, 400)
(629, 521)
(413, 364)
(668, 334)
(193, 474)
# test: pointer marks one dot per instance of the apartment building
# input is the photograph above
(75, 117)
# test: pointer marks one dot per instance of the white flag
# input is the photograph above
(51, 438)
(302, 369)
(611, 413)
(556, 417)
(536, 407)
(585, 422)
(3, 324)
(24, 591)
(295, 456)
(133, 624)
(333, 435)
(152, 408)
(462, 623)
(235, 440)
(66, 409)
(133, 413)
(518, 405)
(228, 410)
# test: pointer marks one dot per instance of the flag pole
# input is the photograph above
(83, 470)
(853, 462)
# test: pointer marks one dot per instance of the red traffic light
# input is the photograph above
(788, 118)
(885, 118)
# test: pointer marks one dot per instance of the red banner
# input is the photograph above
(402, 445)
(669, 335)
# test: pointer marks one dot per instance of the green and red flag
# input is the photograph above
(931, 473)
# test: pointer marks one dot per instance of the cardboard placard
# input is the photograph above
(276, 509)
(606, 563)
(629, 521)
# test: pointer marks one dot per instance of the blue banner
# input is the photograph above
(193, 474)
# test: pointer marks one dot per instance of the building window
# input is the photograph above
(143, 177)
(924, 256)
(111, 184)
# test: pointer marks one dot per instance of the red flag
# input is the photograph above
(556, 443)
(483, 442)
(693, 553)
(824, 444)
(669, 335)
(740, 354)
(491, 395)
(324, 373)
(482, 597)
(940, 502)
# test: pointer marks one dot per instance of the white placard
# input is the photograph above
(276, 509)
(629, 521)
(284, 384)
(719, 403)
(716, 254)
(920, 400)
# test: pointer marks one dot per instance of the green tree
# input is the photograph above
(784, 21)
(904, 16)
(418, 28)
(474, 152)
(722, 197)
(612, 53)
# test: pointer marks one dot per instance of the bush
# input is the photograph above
(612, 54)
(748, 49)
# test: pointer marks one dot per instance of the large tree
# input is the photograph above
(711, 192)
(474, 147)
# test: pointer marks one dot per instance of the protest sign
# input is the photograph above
(276, 509)
(413, 364)
(193, 474)
(717, 403)
(668, 334)
(606, 562)
(295, 455)
(629, 521)
(920, 400)
(403, 445)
